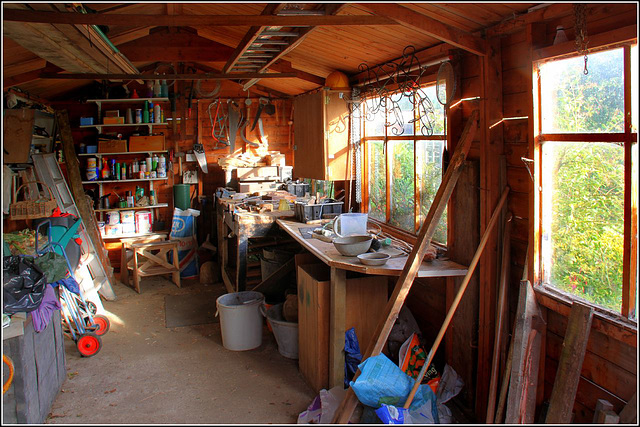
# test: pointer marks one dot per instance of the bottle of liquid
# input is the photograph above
(105, 173)
(129, 199)
(118, 171)
(149, 91)
(156, 89)
(145, 112)
(154, 162)
(123, 173)
(113, 168)
(135, 168)
(164, 89)
(151, 113)
(152, 198)
(156, 113)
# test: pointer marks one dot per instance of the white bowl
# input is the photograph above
(352, 245)
(374, 258)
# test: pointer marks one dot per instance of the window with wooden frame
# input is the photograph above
(586, 156)
(403, 143)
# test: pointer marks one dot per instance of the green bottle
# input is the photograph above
(145, 112)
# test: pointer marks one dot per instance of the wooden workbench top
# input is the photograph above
(394, 266)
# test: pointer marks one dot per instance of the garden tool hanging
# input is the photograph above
(219, 121)
(235, 121)
(262, 102)
(198, 148)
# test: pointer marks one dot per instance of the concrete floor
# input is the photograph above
(147, 373)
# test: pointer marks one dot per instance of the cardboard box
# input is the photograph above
(112, 146)
(113, 121)
(146, 143)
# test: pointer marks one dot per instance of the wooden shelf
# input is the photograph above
(129, 100)
(123, 180)
(121, 153)
(161, 205)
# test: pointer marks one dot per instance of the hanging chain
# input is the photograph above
(357, 146)
(580, 12)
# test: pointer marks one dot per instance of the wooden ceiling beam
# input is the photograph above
(206, 76)
(250, 37)
(29, 76)
(283, 66)
(134, 20)
(258, 89)
(430, 26)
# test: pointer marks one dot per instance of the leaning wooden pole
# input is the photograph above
(459, 295)
(502, 313)
(403, 285)
(84, 209)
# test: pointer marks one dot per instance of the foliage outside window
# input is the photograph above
(403, 162)
(584, 151)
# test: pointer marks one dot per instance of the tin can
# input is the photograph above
(138, 115)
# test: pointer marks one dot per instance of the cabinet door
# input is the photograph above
(18, 130)
(321, 125)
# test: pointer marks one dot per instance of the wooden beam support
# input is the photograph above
(205, 76)
(574, 346)
(430, 26)
(405, 280)
(283, 66)
(134, 20)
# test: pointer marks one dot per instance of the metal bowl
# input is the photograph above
(374, 258)
(352, 245)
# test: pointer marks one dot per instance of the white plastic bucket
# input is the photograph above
(113, 218)
(126, 217)
(286, 333)
(143, 222)
(241, 315)
(128, 228)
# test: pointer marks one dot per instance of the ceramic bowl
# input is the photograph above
(352, 245)
(374, 258)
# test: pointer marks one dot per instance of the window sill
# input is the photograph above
(605, 321)
(404, 235)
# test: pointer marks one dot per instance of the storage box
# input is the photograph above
(86, 121)
(146, 143)
(112, 146)
(298, 189)
(305, 212)
(366, 298)
(113, 120)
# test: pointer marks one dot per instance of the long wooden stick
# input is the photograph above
(502, 308)
(403, 285)
(456, 301)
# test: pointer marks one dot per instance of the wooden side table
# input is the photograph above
(126, 264)
(147, 263)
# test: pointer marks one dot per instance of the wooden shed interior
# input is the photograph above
(437, 105)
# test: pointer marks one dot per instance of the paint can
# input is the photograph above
(111, 230)
(127, 217)
(162, 167)
(143, 222)
(101, 227)
(113, 217)
(92, 169)
(129, 228)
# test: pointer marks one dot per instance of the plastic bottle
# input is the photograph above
(156, 113)
(151, 112)
(105, 170)
(145, 112)
(152, 198)
(156, 89)
(113, 169)
(149, 91)
(118, 171)
(129, 199)
(164, 89)
(123, 173)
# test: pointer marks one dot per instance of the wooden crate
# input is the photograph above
(146, 143)
(112, 146)
(365, 301)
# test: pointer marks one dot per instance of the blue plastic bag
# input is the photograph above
(383, 382)
(352, 356)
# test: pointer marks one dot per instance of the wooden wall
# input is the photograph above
(276, 128)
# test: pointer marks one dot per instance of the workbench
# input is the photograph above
(235, 228)
(339, 265)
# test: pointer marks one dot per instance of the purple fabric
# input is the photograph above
(42, 315)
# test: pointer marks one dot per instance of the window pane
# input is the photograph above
(431, 112)
(375, 120)
(575, 102)
(634, 88)
(582, 220)
(429, 170)
(402, 185)
(400, 119)
(377, 180)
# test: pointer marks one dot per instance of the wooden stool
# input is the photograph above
(126, 264)
(155, 263)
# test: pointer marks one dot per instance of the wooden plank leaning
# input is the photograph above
(574, 346)
(84, 209)
(459, 295)
(405, 280)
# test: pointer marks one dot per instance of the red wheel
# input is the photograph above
(100, 325)
(89, 344)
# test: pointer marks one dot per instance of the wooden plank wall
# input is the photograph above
(610, 365)
(275, 128)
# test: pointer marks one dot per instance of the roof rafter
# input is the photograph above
(430, 26)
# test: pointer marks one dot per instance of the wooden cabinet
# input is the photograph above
(26, 131)
(321, 125)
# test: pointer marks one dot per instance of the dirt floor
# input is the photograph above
(147, 373)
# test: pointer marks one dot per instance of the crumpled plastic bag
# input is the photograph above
(54, 266)
(323, 407)
(449, 387)
(383, 382)
(352, 356)
(23, 285)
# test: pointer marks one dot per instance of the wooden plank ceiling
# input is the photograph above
(313, 51)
